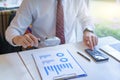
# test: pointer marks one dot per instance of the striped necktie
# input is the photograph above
(60, 22)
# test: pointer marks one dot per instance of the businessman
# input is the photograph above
(67, 20)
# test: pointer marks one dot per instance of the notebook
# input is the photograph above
(58, 65)
(112, 50)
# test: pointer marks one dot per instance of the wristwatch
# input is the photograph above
(89, 30)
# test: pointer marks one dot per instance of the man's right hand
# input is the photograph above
(26, 40)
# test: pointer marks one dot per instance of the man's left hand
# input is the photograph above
(90, 39)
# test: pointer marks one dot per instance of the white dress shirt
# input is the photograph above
(42, 15)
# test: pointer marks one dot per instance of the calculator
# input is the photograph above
(97, 55)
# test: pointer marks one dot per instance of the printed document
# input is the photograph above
(58, 65)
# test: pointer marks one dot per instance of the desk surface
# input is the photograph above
(12, 67)
(96, 71)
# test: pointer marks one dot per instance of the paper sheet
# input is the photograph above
(57, 65)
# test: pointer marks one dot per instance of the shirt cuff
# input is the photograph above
(89, 28)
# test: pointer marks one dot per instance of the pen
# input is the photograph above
(39, 41)
(83, 56)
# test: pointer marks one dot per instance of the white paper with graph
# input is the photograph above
(58, 65)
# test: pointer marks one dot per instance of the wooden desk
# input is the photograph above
(12, 68)
(96, 71)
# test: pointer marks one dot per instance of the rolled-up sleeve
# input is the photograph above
(84, 16)
(20, 22)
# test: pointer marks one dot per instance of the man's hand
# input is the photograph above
(90, 39)
(26, 40)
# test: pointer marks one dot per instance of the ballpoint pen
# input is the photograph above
(39, 41)
(83, 56)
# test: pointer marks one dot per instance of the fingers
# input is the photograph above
(34, 39)
(24, 44)
(26, 40)
(95, 40)
(91, 40)
(91, 45)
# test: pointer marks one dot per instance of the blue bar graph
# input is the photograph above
(57, 68)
